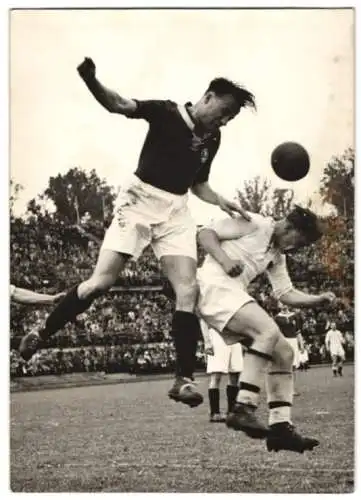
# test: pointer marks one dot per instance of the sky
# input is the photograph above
(298, 63)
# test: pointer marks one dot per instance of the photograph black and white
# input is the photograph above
(181, 280)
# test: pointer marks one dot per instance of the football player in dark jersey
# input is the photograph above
(176, 157)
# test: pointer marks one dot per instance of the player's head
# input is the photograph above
(221, 102)
(333, 325)
(300, 228)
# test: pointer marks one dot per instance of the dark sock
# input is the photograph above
(67, 310)
(213, 395)
(185, 332)
(231, 391)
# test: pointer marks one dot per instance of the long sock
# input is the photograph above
(213, 396)
(254, 366)
(231, 391)
(279, 411)
(185, 332)
(280, 390)
(67, 310)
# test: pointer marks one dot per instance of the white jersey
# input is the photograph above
(334, 341)
(257, 254)
(220, 295)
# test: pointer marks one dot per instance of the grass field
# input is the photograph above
(132, 438)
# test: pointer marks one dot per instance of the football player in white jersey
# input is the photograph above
(334, 342)
(221, 359)
(24, 296)
(238, 251)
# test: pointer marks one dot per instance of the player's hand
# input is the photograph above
(208, 350)
(233, 267)
(328, 298)
(87, 69)
(232, 208)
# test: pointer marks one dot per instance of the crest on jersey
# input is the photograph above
(204, 155)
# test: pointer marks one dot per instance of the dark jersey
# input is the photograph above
(288, 324)
(173, 158)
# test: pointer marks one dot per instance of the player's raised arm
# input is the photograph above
(285, 292)
(210, 238)
(297, 298)
(204, 192)
(111, 101)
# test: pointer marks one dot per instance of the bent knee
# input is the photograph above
(269, 336)
(288, 354)
(285, 354)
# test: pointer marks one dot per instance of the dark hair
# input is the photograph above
(223, 86)
(306, 222)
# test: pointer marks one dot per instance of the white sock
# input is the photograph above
(279, 415)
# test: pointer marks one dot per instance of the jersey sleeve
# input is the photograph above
(228, 228)
(149, 110)
(279, 277)
(204, 171)
(12, 291)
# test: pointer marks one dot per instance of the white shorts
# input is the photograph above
(340, 353)
(226, 358)
(294, 344)
(146, 215)
(219, 300)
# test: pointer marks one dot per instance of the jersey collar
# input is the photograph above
(195, 128)
(184, 112)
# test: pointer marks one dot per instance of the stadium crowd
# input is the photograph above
(128, 330)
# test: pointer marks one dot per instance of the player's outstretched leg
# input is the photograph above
(253, 321)
(77, 300)
(243, 415)
(186, 330)
(280, 387)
